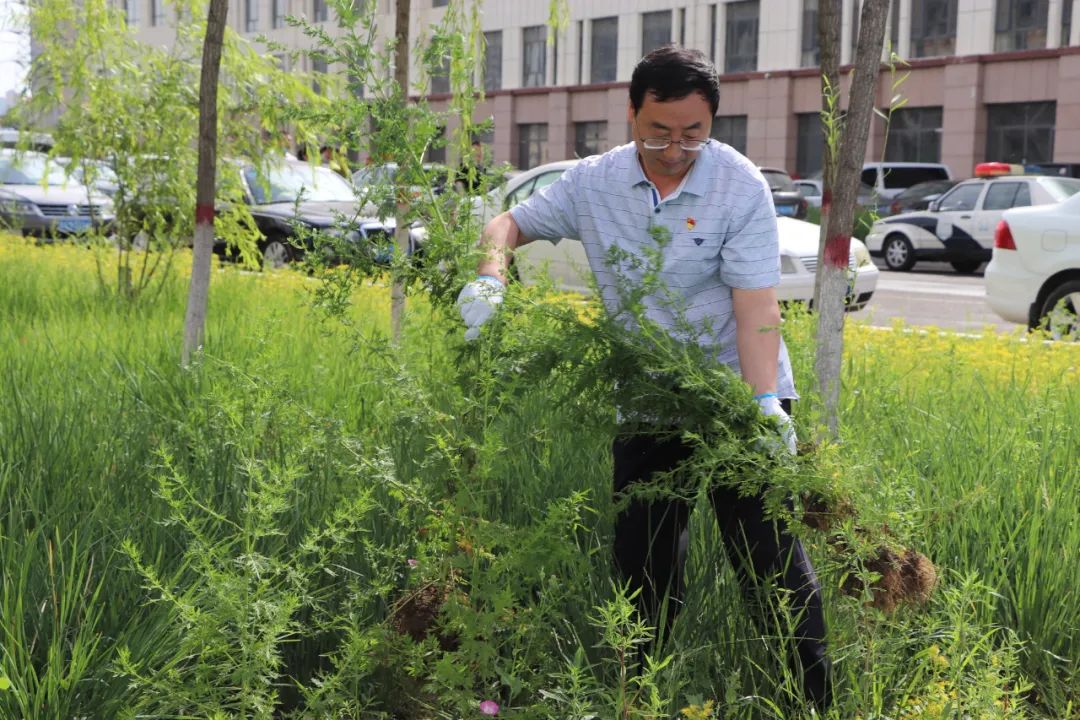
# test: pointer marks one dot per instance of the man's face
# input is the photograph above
(688, 118)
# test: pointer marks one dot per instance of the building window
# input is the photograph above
(131, 12)
(914, 135)
(854, 28)
(440, 78)
(493, 60)
(532, 145)
(712, 33)
(355, 83)
(933, 27)
(1020, 132)
(534, 56)
(590, 138)
(730, 130)
(157, 12)
(894, 26)
(682, 26)
(251, 15)
(811, 50)
(436, 151)
(320, 10)
(605, 46)
(318, 74)
(740, 46)
(655, 30)
(439, 3)
(1021, 24)
(279, 14)
(809, 144)
(1066, 22)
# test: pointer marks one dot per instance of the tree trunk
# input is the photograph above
(401, 232)
(829, 15)
(199, 290)
(839, 195)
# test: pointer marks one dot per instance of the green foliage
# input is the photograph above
(274, 494)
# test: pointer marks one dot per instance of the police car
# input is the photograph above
(958, 227)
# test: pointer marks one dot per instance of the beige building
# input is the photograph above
(988, 79)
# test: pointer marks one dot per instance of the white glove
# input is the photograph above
(478, 301)
(770, 407)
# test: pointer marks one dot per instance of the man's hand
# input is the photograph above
(478, 301)
(770, 407)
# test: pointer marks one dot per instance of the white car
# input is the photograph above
(959, 226)
(565, 263)
(1034, 274)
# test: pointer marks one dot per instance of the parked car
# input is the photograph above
(958, 227)
(291, 192)
(27, 140)
(920, 195)
(889, 179)
(384, 174)
(1064, 169)
(1034, 274)
(786, 197)
(565, 262)
(38, 199)
(811, 189)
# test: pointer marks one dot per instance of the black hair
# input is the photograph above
(672, 73)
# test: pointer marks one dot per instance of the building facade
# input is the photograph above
(985, 79)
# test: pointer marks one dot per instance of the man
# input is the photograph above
(722, 264)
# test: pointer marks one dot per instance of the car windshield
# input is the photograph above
(438, 175)
(905, 177)
(286, 183)
(778, 180)
(101, 171)
(30, 169)
(1060, 188)
(934, 187)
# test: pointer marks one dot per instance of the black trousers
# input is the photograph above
(648, 536)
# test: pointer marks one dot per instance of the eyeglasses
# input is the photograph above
(663, 143)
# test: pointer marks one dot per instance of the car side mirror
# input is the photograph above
(934, 206)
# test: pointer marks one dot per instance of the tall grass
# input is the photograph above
(236, 538)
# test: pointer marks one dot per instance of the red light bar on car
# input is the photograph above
(993, 169)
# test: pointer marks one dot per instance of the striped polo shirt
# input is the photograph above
(721, 229)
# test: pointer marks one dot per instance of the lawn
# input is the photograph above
(312, 522)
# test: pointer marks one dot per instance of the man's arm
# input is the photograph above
(500, 238)
(757, 336)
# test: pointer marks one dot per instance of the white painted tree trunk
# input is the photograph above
(401, 232)
(839, 193)
(199, 289)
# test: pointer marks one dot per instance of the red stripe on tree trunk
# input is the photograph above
(204, 214)
(836, 251)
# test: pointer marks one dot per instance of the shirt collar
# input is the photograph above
(695, 182)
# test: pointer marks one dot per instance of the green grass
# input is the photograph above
(234, 538)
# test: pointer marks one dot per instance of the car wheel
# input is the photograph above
(276, 253)
(1061, 311)
(966, 267)
(899, 255)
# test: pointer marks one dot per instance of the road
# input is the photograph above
(932, 294)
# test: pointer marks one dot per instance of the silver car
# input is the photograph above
(37, 199)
